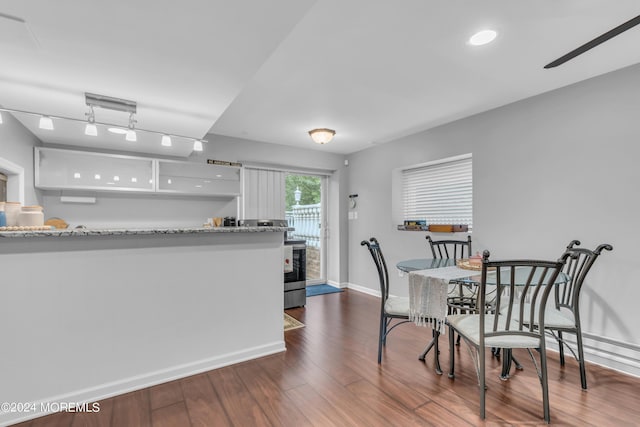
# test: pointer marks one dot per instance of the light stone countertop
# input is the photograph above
(138, 231)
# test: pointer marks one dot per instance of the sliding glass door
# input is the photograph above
(305, 211)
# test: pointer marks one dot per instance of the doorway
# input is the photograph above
(305, 211)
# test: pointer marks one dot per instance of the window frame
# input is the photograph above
(399, 211)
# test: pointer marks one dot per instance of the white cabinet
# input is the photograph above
(79, 170)
(57, 169)
(199, 179)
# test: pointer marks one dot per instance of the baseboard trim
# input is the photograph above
(337, 284)
(364, 290)
(150, 379)
(613, 354)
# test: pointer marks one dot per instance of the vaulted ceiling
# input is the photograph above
(269, 71)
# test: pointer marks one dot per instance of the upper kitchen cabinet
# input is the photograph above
(198, 179)
(57, 169)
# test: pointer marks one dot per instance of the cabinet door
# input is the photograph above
(68, 169)
(197, 178)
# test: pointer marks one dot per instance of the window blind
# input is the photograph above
(264, 193)
(440, 193)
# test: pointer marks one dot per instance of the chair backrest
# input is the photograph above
(518, 291)
(452, 249)
(578, 263)
(381, 266)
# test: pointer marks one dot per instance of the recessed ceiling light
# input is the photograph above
(118, 131)
(482, 37)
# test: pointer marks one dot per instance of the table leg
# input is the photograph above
(436, 352)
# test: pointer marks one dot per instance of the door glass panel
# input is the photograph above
(304, 213)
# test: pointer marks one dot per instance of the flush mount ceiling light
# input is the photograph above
(482, 37)
(322, 135)
(91, 125)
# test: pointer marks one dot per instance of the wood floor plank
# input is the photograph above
(319, 412)
(61, 419)
(388, 409)
(433, 414)
(165, 394)
(276, 406)
(132, 409)
(237, 401)
(202, 402)
(171, 416)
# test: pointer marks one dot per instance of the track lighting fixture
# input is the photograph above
(91, 129)
(131, 133)
(46, 123)
(91, 125)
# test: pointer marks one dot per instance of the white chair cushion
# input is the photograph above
(553, 318)
(469, 326)
(398, 306)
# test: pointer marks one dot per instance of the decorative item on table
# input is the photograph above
(472, 263)
(415, 224)
(57, 223)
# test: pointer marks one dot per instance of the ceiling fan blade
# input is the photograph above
(595, 42)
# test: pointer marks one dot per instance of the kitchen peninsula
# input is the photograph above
(89, 314)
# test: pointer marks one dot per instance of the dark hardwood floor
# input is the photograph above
(329, 377)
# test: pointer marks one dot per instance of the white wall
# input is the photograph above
(553, 168)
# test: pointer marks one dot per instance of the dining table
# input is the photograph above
(429, 289)
(435, 283)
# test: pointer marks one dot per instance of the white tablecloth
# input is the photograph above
(428, 291)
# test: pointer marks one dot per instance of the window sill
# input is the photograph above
(436, 229)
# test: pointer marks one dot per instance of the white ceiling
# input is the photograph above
(373, 70)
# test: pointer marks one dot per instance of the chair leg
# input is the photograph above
(561, 348)
(381, 336)
(436, 352)
(507, 358)
(452, 353)
(481, 378)
(583, 370)
(545, 386)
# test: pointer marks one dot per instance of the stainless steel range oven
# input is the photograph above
(295, 277)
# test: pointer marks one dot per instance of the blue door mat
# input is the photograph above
(314, 290)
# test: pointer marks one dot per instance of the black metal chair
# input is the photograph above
(564, 314)
(519, 291)
(390, 307)
(462, 298)
(452, 249)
